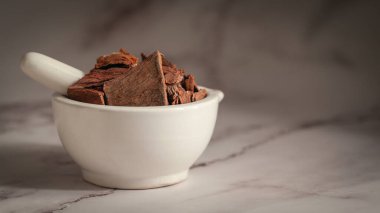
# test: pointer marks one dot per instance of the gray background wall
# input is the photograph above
(319, 53)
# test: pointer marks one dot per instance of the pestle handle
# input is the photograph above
(49, 72)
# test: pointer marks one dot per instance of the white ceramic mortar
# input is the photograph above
(126, 147)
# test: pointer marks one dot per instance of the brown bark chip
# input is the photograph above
(117, 79)
(121, 59)
(178, 95)
(173, 94)
(172, 75)
(97, 77)
(143, 85)
(143, 56)
(167, 63)
(185, 96)
(181, 88)
(201, 94)
(91, 96)
(85, 89)
(190, 84)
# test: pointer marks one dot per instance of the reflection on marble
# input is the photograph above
(260, 161)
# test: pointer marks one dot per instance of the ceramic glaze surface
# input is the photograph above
(135, 147)
(50, 72)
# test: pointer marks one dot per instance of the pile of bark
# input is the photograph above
(119, 79)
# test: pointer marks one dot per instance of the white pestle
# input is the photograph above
(49, 72)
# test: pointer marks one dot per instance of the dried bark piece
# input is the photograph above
(91, 96)
(185, 96)
(178, 95)
(181, 88)
(201, 94)
(143, 85)
(143, 57)
(89, 89)
(97, 77)
(173, 94)
(120, 59)
(167, 63)
(117, 80)
(189, 83)
(172, 75)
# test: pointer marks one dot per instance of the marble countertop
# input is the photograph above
(265, 156)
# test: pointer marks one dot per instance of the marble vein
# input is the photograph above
(67, 204)
(256, 183)
(10, 194)
(373, 114)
